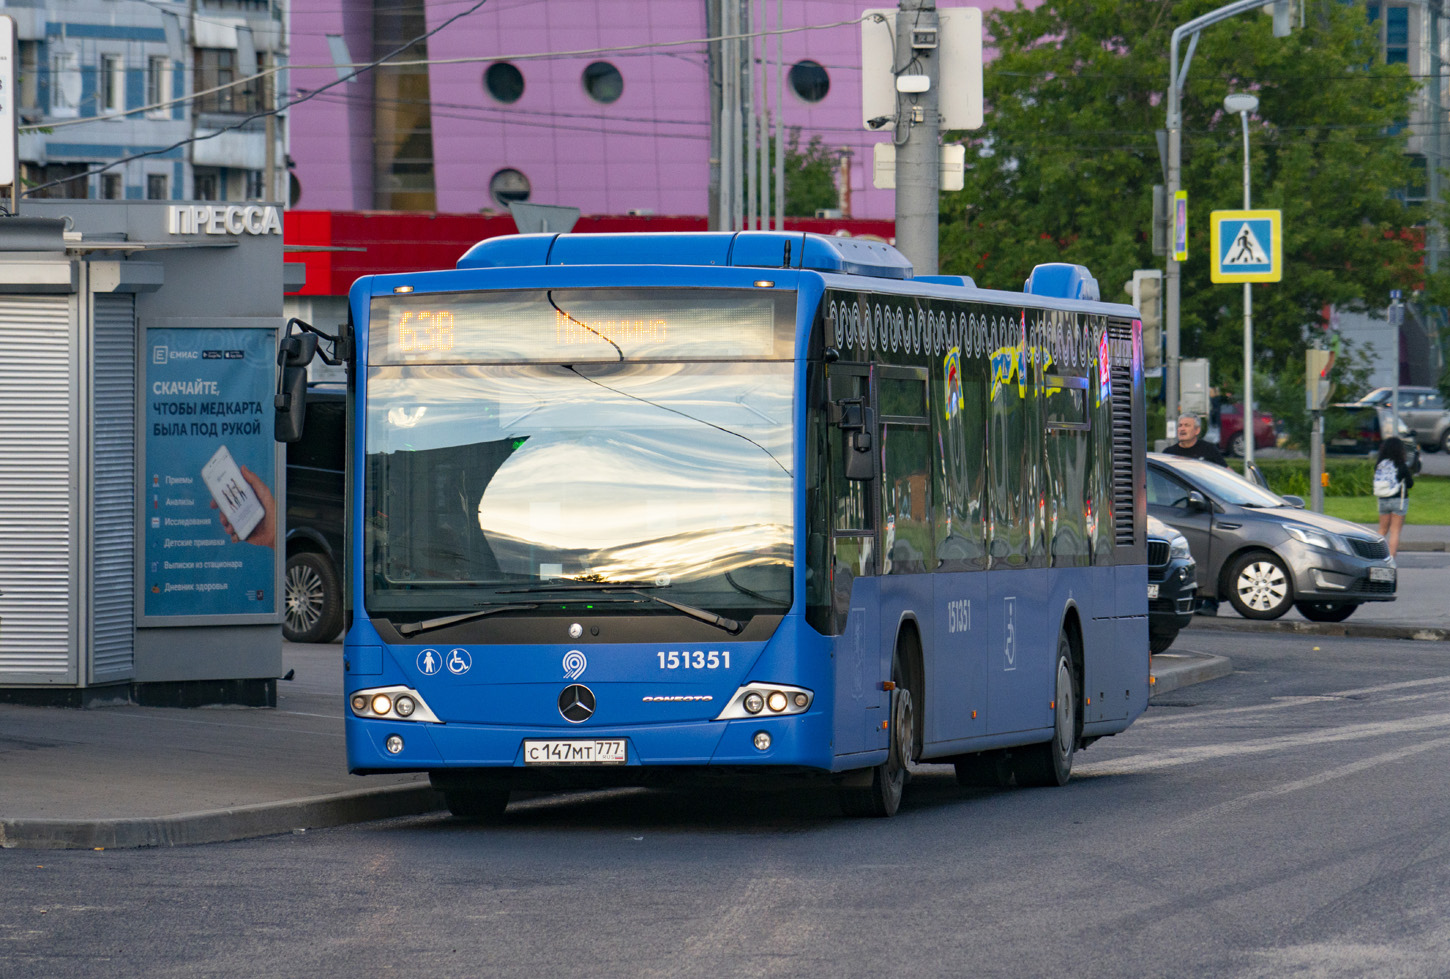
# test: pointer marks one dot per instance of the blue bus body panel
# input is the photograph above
(989, 638)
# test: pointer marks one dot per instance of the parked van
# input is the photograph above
(316, 474)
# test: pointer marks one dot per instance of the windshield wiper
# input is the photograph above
(633, 588)
(413, 628)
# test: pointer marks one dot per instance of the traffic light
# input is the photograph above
(1317, 385)
(1147, 292)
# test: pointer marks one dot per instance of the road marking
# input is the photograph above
(1280, 703)
(1174, 757)
(1343, 771)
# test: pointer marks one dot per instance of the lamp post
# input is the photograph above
(1243, 104)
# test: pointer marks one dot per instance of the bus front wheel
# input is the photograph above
(882, 796)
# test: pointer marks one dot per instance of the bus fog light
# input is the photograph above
(395, 744)
(360, 702)
(382, 703)
(801, 700)
(776, 701)
(404, 706)
(762, 740)
(754, 702)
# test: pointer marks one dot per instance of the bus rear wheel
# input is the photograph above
(1050, 763)
(882, 797)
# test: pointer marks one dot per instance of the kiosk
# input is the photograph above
(140, 486)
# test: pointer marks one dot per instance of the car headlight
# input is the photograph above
(1319, 538)
(1178, 547)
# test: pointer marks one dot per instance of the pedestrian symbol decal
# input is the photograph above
(429, 662)
(459, 661)
(1246, 246)
(1246, 249)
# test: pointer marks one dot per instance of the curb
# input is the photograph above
(221, 825)
(1170, 671)
(1363, 630)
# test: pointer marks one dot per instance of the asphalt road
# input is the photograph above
(1290, 820)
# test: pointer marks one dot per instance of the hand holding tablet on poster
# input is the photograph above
(246, 506)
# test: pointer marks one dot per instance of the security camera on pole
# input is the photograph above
(921, 72)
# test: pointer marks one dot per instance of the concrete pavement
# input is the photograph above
(129, 776)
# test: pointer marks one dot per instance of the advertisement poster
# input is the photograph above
(210, 523)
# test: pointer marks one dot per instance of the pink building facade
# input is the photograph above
(616, 118)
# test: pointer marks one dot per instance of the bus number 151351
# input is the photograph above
(697, 659)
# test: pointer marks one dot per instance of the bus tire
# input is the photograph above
(1050, 763)
(882, 796)
(483, 804)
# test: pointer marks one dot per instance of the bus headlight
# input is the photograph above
(754, 698)
(393, 703)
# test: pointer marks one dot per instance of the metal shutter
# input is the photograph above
(36, 519)
(113, 441)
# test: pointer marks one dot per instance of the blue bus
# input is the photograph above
(636, 509)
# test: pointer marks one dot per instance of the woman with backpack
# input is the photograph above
(1392, 482)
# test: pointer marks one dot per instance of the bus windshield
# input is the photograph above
(483, 480)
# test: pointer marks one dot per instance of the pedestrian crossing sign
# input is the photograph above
(1246, 246)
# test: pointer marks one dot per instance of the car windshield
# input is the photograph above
(1225, 485)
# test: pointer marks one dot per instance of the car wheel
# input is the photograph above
(1236, 447)
(1159, 641)
(1326, 611)
(1444, 444)
(312, 601)
(1259, 586)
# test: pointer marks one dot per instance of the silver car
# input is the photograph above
(1263, 552)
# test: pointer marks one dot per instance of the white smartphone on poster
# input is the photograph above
(233, 494)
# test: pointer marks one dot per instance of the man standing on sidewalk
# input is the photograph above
(1189, 446)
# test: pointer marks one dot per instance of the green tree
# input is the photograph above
(1063, 169)
(810, 175)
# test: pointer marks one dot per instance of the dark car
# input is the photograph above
(316, 467)
(1265, 553)
(1358, 429)
(1422, 409)
(1172, 584)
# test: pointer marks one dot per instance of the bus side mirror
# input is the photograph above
(856, 422)
(294, 353)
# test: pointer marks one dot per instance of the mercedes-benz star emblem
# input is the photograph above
(576, 703)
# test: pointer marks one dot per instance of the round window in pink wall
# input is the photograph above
(809, 80)
(504, 82)
(508, 186)
(603, 82)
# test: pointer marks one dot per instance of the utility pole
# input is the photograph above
(918, 154)
(1172, 274)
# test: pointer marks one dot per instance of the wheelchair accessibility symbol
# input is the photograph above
(459, 661)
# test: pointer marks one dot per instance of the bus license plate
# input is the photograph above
(1153, 590)
(1381, 574)
(575, 752)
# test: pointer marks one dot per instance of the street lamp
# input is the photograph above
(1243, 104)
